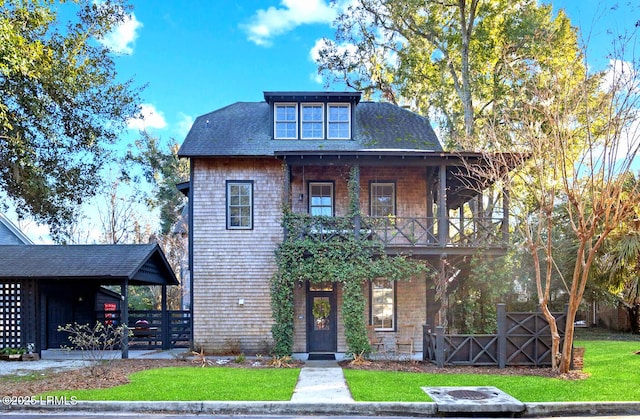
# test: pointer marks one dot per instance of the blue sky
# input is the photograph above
(197, 56)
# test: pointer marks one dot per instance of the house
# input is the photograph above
(296, 149)
(10, 234)
(46, 286)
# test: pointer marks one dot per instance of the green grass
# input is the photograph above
(193, 383)
(613, 366)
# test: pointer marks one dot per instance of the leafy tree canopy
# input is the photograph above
(163, 169)
(60, 104)
(460, 62)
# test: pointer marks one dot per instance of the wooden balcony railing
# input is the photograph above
(403, 231)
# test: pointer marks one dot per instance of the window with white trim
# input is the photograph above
(321, 198)
(383, 199)
(383, 304)
(239, 205)
(312, 120)
(338, 120)
(286, 121)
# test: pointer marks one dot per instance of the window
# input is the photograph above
(312, 121)
(339, 121)
(382, 304)
(383, 199)
(239, 205)
(286, 121)
(321, 198)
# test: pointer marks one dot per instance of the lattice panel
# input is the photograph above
(10, 336)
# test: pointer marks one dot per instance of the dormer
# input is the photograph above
(312, 115)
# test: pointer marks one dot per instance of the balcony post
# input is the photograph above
(505, 215)
(443, 223)
(430, 223)
(355, 205)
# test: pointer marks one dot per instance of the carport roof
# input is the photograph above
(140, 264)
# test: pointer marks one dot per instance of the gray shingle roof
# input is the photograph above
(141, 263)
(245, 129)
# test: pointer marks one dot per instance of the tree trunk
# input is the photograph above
(555, 337)
(634, 317)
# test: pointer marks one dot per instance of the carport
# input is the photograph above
(43, 286)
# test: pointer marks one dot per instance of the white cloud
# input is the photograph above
(121, 39)
(150, 117)
(267, 24)
(183, 125)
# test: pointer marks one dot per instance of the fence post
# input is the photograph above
(425, 341)
(502, 335)
(439, 346)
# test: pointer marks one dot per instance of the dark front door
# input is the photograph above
(322, 316)
(59, 313)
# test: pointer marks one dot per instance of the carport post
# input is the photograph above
(165, 319)
(124, 317)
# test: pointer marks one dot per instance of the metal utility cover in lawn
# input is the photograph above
(473, 399)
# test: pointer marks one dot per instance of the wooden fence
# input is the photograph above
(149, 332)
(522, 339)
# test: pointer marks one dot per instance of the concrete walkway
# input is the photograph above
(321, 382)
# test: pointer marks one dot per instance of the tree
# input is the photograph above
(60, 104)
(618, 267)
(164, 170)
(577, 140)
(119, 218)
(458, 61)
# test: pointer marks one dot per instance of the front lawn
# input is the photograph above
(195, 384)
(613, 366)
(614, 370)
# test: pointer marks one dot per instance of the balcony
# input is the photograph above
(410, 233)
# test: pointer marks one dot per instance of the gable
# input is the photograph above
(10, 234)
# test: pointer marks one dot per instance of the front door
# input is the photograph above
(59, 313)
(322, 316)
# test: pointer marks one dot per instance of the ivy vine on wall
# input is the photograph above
(320, 249)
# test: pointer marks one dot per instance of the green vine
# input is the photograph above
(319, 249)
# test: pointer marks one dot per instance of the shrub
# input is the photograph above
(97, 344)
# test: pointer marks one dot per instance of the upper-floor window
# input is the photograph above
(321, 198)
(239, 205)
(383, 199)
(286, 120)
(312, 121)
(338, 120)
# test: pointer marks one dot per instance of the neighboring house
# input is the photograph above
(296, 149)
(45, 286)
(10, 234)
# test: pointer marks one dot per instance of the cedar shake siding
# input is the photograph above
(234, 265)
(295, 144)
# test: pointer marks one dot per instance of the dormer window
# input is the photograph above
(286, 121)
(339, 121)
(312, 121)
(312, 115)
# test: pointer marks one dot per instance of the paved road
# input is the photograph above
(143, 416)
